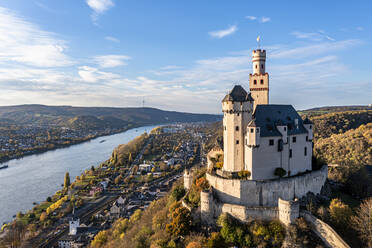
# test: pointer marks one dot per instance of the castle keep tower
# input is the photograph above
(259, 80)
(237, 107)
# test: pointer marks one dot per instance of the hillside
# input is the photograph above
(96, 116)
(339, 122)
(353, 147)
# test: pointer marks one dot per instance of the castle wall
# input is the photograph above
(262, 166)
(253, 193)
(324, 231)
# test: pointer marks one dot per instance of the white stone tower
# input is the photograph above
(237, 107)
(259, 80)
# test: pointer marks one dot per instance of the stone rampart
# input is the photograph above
(251, 193)
(289, 211)
(324, 231)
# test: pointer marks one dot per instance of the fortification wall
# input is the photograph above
(214, 209)
(251, 193)
(324, 231)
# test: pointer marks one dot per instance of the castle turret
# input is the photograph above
(237, 108)
(207, 207)
(187, 179)
(259, 80)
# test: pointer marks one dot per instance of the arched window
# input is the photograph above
(255, 81)
(256, 66)
(261, 66)
(261, 81)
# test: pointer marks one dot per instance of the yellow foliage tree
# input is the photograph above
(340, 213)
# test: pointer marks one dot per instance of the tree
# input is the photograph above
(194, 244)
(181, 222)
(100, 239)
(340, 213)
(43, 216)
(178, 193)
(130, 159)
(67, 180)
(216, 241)
(362, 222)
(15, 234)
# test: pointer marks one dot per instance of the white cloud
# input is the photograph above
(93, 75)
(265, 19)
(313, 36)
(113, 39)
(252, 18)
(225, 32)
(100, 6)
(109, 61)
(313, 49)
(25, 43)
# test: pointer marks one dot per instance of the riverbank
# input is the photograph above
(40, 150)
(33, 178)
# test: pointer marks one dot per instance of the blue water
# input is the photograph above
(34, 178)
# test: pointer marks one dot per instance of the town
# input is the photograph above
(136, 174)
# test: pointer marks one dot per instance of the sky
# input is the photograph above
(183, 55)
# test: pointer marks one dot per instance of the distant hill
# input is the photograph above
(95, 117)
(331, 109)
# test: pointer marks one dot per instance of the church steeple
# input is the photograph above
(259, 80)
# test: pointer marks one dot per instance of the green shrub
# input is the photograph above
(244, 174)
(280, 172)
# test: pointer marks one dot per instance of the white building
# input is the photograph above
(260, 137)
(267, 156)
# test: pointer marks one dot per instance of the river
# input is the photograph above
(33, 178)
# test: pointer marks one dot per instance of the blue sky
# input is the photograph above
(182, 55)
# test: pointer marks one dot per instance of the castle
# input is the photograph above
(267, 156)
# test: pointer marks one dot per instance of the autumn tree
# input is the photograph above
(340, 213)
(362, 222)
(100, 239)
(181, 222)
(43, 216)
(67, 180)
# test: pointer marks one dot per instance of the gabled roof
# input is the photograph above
(267, 117)
(238, 94)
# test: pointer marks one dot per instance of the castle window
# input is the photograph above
(262, 66)
(238, 114)
(285, 129)
(252, 130)
(271, 142)
(310, 126)
(237, 142)
(261, 81)
(237, 128)
(307, 138)
(255, 81)
(290, 153)
(225, 127)
(256, 66)
(258, 130)
(305, 151)
(294, 139)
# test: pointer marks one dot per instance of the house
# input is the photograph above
(146, 167)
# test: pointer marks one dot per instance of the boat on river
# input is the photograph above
(4, 166)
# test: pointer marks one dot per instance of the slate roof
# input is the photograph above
(267, 117)
(238, 94)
